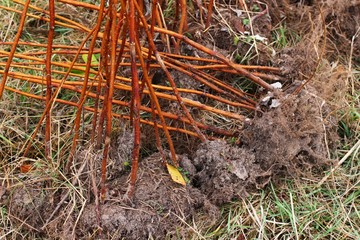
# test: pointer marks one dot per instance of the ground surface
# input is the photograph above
(291, 136)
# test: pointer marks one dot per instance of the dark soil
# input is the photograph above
(158, 207)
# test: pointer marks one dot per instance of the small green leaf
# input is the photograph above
(246, 21)
(255, 8)
(79, 72)
(236, 40)
(94, 60)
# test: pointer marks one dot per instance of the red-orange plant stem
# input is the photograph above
(150, 50)
(161, 30)
(72, 24)
(143, 121)
(68, 52)
(98, 90)
(218, 55)
(155, 103)
(96, 107)
(40, 45)
(54, 96)
(215, 67)
(122, 49)
(69, 66)
(81, 4)
(14, 46)
(209, 13)
(146, 79)
(247, 67)
(169, 77)
(170, 97)
(208, 80)
(48, 72)
(121, 32)
(190, 133)
(239, 94)
(125, 104)
(270, 77)
(135, 98)
(75, 25)
(183, 22)
(106, 74)
(108, 101)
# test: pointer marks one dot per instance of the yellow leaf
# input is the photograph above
(175, 175)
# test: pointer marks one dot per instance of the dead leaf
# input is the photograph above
(25, 168)
(175, 175)
(238, 25)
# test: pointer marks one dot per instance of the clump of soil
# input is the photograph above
(158, 208)
(291, 139)
(288, 140)
(224, 171)
(340, 19)
(343, 20)
(30, 204)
